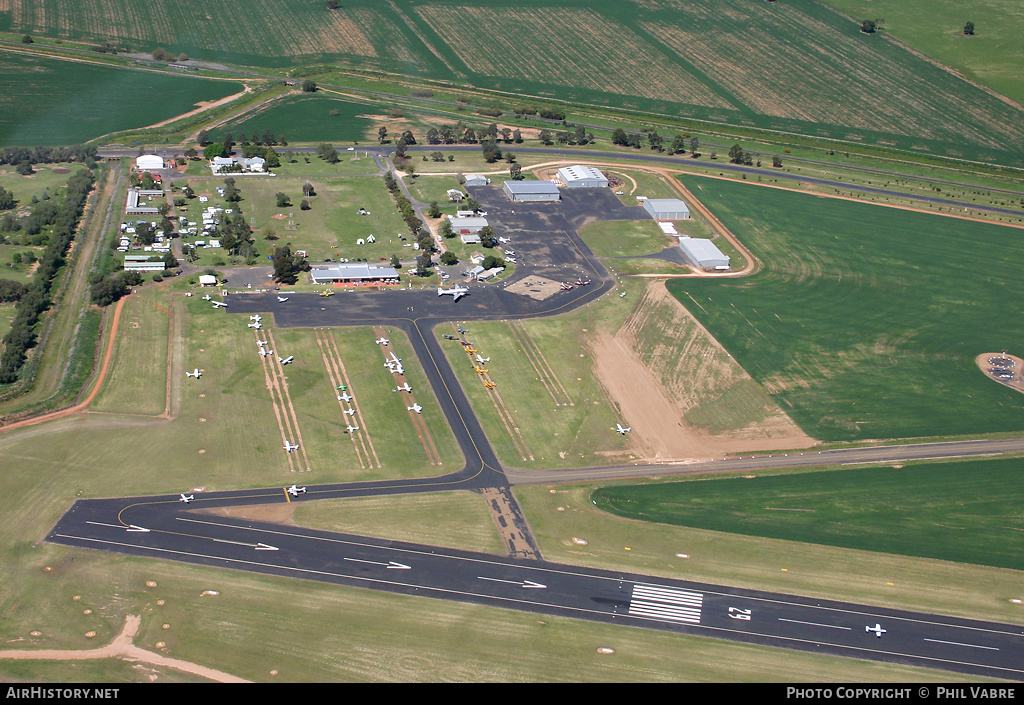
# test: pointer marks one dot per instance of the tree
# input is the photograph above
(449, 258)
(435, 210)
(282, 200)
(655, 140)
(287, 265)
(215, 150)
(969, 29)
(517, 136)
(230, 192)
(694, 146)
(203, 138)
(382, 133)
(445, 229)
(619, 137)
(545, 137)
(332, 4)
(27, 40)
(25, 168)
(304, 205)
(487, 237)
(309, 86)
(736, 154)
(308, 190)
(7, 200)
(777, 161)
(492, 152)
(516, 171)
(870, 26)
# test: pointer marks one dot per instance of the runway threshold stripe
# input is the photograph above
(696, 600)
(663, 609)
(665, 603)
(689, 619)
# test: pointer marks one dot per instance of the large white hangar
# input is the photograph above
(521, 191)
(704, 253)
(148, 162)
(354, 273)
(667, 209)
(581, 176)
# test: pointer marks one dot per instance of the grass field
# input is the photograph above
(961, 512)
(48, 178)
(866, 320)
(306, 118)
(724, 61)
(53, 102)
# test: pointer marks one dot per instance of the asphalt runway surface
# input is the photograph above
(545, 239)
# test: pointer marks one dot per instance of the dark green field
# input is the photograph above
(53, 102)
(796, 66)
(305, 119)
(967, 512)
(865, 321)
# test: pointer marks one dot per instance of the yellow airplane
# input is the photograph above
(481, 371)
(489, 384)
(471, 350)
(326, 292)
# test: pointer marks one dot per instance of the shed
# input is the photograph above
(703, 253)
(581, 176)
(476, 180)
(666, 208)
(470, 239)
(522, 191)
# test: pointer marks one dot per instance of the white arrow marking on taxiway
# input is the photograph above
(522, 583)
(389, 564)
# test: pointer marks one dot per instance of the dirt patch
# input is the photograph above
(59, 170)
(271, 513)
(654, 391)
(1004, 368)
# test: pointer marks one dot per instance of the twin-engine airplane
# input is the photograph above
(456, 292)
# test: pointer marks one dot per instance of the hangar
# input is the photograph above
(703, 253)
(666, 209)
(477, 180)
(354, 273)
(147, 162)
(519, 191)
(580, 176)
(467, 225)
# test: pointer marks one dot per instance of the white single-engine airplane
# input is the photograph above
(345, 397)
(288, 446)
(352, 428)
(877, 629)
(415, 407)
(194, 373)
(207, 298)
(261, 343)
(296, 491)
(219, 304)
(256, 318)
(282, 299)
(350, 412)
(456, 292)
(404, 388)
(395, 364)
(285, 360)
(257, 325)
(186, 498)
(623, 430)
(382, 341)
(482, 360)
(264, 352)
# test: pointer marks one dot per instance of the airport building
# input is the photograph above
(666, 209)
(703, 253)
(467, 224)
(148, 162)
(354, 273)
(476, 180)
(524, 191)
(580, 176)
(142, 263)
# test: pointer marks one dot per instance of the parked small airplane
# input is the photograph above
(489, 384)
(415, 407)
(256, 318)
(296, 491)
(186, 498)
(404, 388)
(264, 352)
(288, 446)
(350, 412)
(257, 325)
(449, 337)
(285, 360)
(219, 304)
(471, 350)
(877, 629)
(282, 299)
(622, 295)
(623, 430)
(480, 370)
(194, 373)
(566, 286)
(261, 343)
(382, 341)
(345, 397)
(482, 360)
(352, 428)
(456, 292)
(326, 292)
(581, 282)
(503, 240)
(207, 297)
(462, 330)
(395, 363)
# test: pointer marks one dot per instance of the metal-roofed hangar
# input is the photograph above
(667, 209)
(581, 176)
(520, 191)
(354, 273)
(703, 253)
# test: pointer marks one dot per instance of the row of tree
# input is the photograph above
(48, 155)
(38, 296)
(460, 133)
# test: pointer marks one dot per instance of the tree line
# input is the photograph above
(38, 297)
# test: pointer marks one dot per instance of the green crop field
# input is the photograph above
(797, 66)
(53, 102)
(866, 320)
(964, 512)
(306, 118)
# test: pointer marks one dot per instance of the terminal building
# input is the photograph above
(354, 273)
(703, 253)
(667, 209)
(580, 176)
(525, 191)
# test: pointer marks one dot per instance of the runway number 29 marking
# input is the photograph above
(738, 613)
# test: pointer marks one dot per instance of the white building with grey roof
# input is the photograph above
(582, 176)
